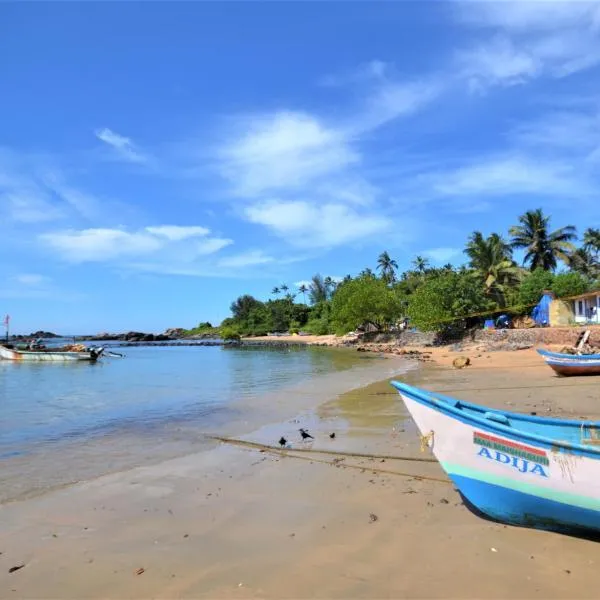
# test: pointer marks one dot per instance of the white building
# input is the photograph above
(586, 308)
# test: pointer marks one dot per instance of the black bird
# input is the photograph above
(282, 441)
(305, 435)
(332, 435)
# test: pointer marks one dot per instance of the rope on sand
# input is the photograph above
(237, 442)
(291, 454)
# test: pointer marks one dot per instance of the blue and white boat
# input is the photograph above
(514, 468)
(572, 364)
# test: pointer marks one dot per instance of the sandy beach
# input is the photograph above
(236, 522)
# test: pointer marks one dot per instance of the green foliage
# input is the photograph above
(229, 334)
(204, 328)
(445, 299)
(569, 284)
(365, 299)
(533, 286)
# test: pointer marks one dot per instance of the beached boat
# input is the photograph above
(572, 364)
(7, 353)
(513, 468)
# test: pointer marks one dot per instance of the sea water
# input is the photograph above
(61, 423)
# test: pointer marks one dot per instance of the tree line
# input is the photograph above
(434, 298)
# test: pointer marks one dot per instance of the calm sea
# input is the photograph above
(62, 423)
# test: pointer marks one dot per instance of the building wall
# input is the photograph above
(561, 313)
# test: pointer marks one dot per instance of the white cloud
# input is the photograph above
(510, 175)
(123, 146)
(497, 62)
(177, 232)
(31, 279)
(169, 242)
(285, 150)
(554, 38)
(307, 224)
(246, 259)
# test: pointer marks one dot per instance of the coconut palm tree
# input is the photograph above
(586, 262)
(366, 273)
(387, 265)
(420, 264)
(284, 288)
(543, 248)
(317, 290)
(275, 291)
(591, 240)
(303, 289)
(491, 260)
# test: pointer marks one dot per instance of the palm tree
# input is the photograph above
(275, 291)
(420, 264)
(283, 287)
(366, 273)
(542, 247)
(303, 289)
(491, 260)
(317, 290)
(290, 298)
(387, 265)
(591, 240)
(585, 262)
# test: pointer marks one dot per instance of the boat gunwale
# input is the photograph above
(570, 357)
(439, 402)
(85, 355)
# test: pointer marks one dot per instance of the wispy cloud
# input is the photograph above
(122, 146)
(104, 245)
(306, 224)
(31, 279)
(530, 39)
(249, 258)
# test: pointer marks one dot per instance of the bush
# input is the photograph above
(533, 286)
(229, 334)
(569, 284)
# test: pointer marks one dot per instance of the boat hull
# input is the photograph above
(508, 479)
(572, 364)
(47, 356)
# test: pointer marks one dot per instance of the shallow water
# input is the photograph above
(62, 423)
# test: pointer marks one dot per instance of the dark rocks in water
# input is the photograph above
(44, 334)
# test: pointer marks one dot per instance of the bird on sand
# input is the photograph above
(332, 435)
(305, 435)
(282, 441)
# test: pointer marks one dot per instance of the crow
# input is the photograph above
(305, 435)
(282, 441)
(332, 435)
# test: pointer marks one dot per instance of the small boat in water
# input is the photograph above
(46, 355)
(514, 468)
(572, 364)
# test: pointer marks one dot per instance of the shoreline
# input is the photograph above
(237, 522)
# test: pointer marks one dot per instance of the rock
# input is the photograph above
(461, 362)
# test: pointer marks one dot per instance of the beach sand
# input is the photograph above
(239, 523)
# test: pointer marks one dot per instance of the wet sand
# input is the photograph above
(240, 523)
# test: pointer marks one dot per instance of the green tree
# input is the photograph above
(317, 290)
(365, 299)
(387, 267)
(240, 308)
(543, 248)
(275, 291)
(569, 284)
(283, 288)
(534, 285)
(591, 240)
(445, 300)
(491, 261)
(303, 289)
(420, 264)
(585, 262)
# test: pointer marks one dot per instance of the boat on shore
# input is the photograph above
(572, 364)
(46, 355)
(513, 468)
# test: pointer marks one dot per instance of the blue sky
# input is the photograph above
(159, 159)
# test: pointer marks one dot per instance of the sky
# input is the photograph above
(159, 159)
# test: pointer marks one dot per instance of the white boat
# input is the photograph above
(527, 470)
(90, 355)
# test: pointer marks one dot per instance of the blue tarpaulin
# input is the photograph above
(541, 312)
